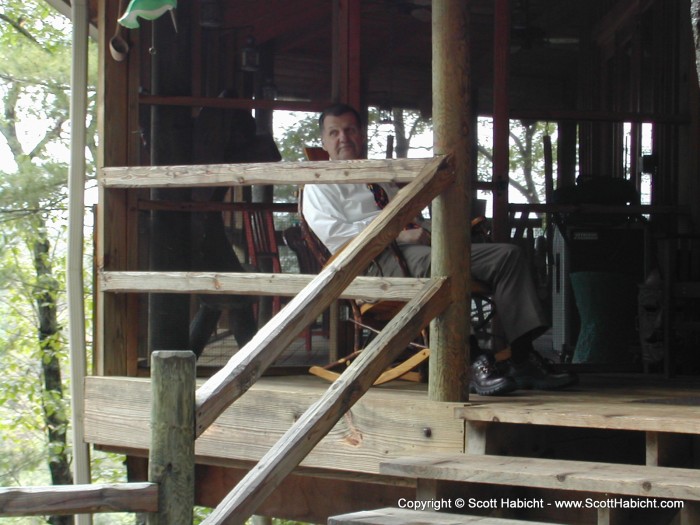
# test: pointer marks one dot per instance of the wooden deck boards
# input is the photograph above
(609, 402)
(387, 422)
(391, 420)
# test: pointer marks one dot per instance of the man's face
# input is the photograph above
(342, 137)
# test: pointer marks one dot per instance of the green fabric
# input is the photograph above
(607, 305)
(146, 9)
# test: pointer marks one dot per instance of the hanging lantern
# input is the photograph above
(250, 56)
(210, 13)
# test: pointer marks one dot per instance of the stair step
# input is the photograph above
(395, 516)
(628, 480)
(645, 415)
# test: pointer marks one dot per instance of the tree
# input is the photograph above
(526, 158)
(34, 96)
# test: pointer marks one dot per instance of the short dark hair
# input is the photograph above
(336, 110)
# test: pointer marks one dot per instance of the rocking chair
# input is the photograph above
(369, 318)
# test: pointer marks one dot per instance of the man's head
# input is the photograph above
(341, 132)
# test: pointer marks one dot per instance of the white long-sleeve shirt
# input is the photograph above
(337, 213)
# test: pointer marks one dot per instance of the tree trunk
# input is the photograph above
(53, 402)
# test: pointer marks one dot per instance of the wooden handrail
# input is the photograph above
(78, 499)
(363, 288)
(323, 415)
(248, 364)
(209, 175)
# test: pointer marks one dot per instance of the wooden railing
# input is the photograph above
(428, 298)
(78, 499)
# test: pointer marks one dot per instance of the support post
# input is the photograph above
(171, 460)
(346, 52)
(451, 249)
(501, 120)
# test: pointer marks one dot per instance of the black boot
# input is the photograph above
(487, 380)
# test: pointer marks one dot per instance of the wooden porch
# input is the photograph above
(620, 419)
(357, 466)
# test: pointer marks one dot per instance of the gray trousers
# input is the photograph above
(501, 267)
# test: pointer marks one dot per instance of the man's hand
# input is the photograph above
(414, 236)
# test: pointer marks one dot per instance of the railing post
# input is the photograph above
(171, 460)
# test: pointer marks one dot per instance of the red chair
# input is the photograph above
(263, 250)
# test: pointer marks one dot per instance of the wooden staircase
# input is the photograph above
(500, 486)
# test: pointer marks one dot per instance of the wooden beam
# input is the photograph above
(117, 117)
(233, 103)
(346, 52)
(62, 500)
(565, 115)
(451, 255)
(501, 120)
(253, 359)
(209, 175)
(269, 284)
(318, 420)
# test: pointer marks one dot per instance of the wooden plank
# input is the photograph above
(246, 366)
(322, 416)
(78, 499)
(395, 516)
(617, 414)
(362, 288)
(308, 172)
(117, 415)
(629, 480)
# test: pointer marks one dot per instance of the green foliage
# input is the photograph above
(35, 59)
(297, 131)
(526, 157)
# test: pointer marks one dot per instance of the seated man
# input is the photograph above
(338, 212)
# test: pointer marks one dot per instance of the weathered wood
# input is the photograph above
(171, 461)
(629, 480)
(117, 416)
(362, 288)
(318, 420)
(78, 499)
(244, 368)
(117, 89)
(604, 412)
(451, 255)
(394, 516)
(351, 171)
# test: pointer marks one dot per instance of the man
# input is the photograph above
(339, 212)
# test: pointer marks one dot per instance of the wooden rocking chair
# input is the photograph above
(371, 317)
